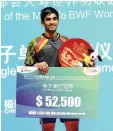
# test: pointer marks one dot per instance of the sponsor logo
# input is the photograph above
(24, 69)
(91, 70)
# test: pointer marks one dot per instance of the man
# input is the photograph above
(42, 52)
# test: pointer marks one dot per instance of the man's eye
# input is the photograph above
(47, 19)
(55, 18)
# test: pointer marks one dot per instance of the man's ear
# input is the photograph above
(42, 22)
(99, 58)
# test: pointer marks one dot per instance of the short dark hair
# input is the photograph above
(48, 10)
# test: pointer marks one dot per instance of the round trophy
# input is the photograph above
(73, 52)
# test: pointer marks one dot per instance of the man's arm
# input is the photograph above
(30, 55)
(31, 58)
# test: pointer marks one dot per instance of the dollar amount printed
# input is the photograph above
(54, 101)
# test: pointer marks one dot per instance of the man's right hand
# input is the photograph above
(42, 66)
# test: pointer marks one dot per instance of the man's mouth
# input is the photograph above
(52, 26)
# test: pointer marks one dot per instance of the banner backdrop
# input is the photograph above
(91, 21)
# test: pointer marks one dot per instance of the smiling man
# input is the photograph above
(42, 52)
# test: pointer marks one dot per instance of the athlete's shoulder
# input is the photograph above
(38, 38)
(34, 41)
(65, 37)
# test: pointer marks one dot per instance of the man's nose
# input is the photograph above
(52, 21)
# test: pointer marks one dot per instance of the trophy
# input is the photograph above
(77, 52)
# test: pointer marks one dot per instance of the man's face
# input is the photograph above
(50, 22)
